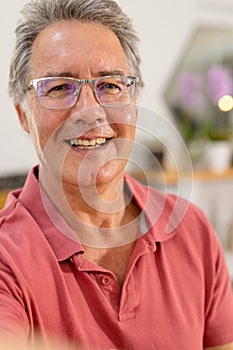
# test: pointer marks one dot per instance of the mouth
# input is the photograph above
(88, 144)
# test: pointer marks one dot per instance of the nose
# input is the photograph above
(87, 108)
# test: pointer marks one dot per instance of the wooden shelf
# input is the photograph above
(3, 196)
(155, 176)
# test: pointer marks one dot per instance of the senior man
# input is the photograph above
(85, 255)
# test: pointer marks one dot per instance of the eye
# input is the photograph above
(61, 89)
(56, 88)
(108, 88)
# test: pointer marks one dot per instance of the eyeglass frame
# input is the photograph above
(34, 83)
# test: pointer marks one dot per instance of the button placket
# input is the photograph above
(110, 289)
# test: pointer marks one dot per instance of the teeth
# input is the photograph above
(88, 143)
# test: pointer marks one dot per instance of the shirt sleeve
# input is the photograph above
(218, 297)
(14, 325)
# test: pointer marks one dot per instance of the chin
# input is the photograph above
(109, 173)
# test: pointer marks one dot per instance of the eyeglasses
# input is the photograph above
(63, 92)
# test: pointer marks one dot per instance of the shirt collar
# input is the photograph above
(159, 215)
(60, 237)
(164, 213)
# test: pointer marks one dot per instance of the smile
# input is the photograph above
(87, 144)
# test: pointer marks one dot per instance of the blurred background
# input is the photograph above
(185, 115)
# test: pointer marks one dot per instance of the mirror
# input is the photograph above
(199, 93)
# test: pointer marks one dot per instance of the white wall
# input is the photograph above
(16, 152)
(164, 27)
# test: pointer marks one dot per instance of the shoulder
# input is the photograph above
(170, 209)
(13, 215)
(18, 230)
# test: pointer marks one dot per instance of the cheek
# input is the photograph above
(125, 131)
(44, 125)
(41, 133)
(130, 131)
(124, 120)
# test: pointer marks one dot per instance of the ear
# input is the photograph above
(22, 117)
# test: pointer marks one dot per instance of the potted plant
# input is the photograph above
(204, 115)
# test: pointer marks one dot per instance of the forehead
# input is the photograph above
(77, 47)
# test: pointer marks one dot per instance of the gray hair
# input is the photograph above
(37, 14)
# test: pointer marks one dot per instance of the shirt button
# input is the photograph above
(105, 280)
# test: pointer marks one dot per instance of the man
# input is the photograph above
(85, 253)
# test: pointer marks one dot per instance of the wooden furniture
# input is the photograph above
(3, 196)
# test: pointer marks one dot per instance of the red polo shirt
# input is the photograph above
(176, 294)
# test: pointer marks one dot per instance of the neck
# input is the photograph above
(102, 215)
(100, 205)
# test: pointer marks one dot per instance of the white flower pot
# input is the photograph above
(217, 155)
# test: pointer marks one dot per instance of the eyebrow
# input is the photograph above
(111, 72)
(98, 74)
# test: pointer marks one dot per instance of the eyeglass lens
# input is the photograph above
(63, 92)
